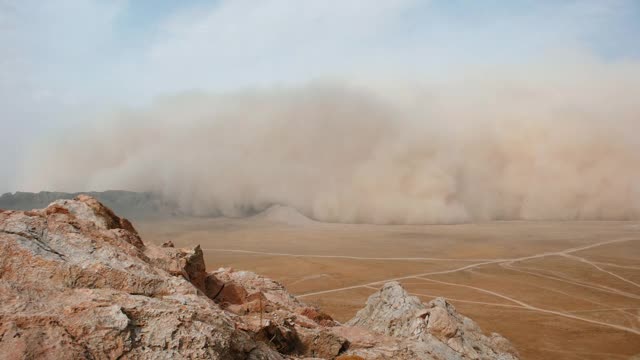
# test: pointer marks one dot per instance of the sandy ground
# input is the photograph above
(557, 290)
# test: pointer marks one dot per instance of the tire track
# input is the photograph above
(538, 309)
(581, 259)
(348, 257)
(467, 267)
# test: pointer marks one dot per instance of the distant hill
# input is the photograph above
(284, 214)
(132, 205)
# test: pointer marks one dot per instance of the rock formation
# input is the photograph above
(77, 282)
(447, 334)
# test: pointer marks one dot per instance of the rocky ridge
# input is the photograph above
(77, 282)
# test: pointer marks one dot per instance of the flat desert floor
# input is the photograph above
(557, 290)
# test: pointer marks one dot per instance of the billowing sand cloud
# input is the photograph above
(528, 143)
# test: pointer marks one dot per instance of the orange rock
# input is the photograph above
(232, 294)
(317, 316)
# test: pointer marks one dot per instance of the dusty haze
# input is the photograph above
(534, 142)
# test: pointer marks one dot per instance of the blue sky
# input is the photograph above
(62, 57)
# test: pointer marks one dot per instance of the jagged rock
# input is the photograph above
(168, 244)
(317, 315)
(273, 291)
(323, 344)
(392, 311)
(188, 263)
(403, 327)
(76, 281)
(280, 332)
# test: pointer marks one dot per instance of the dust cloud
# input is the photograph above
(529, 142)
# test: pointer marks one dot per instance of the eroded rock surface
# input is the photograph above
(447, 334)
(77, 282)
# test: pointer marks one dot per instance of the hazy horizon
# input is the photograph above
(390, 112)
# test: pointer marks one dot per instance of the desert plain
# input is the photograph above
(556, 289)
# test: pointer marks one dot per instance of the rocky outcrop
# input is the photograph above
(77, 282)
(448, 334)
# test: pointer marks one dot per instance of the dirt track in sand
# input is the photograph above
(562, 290)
